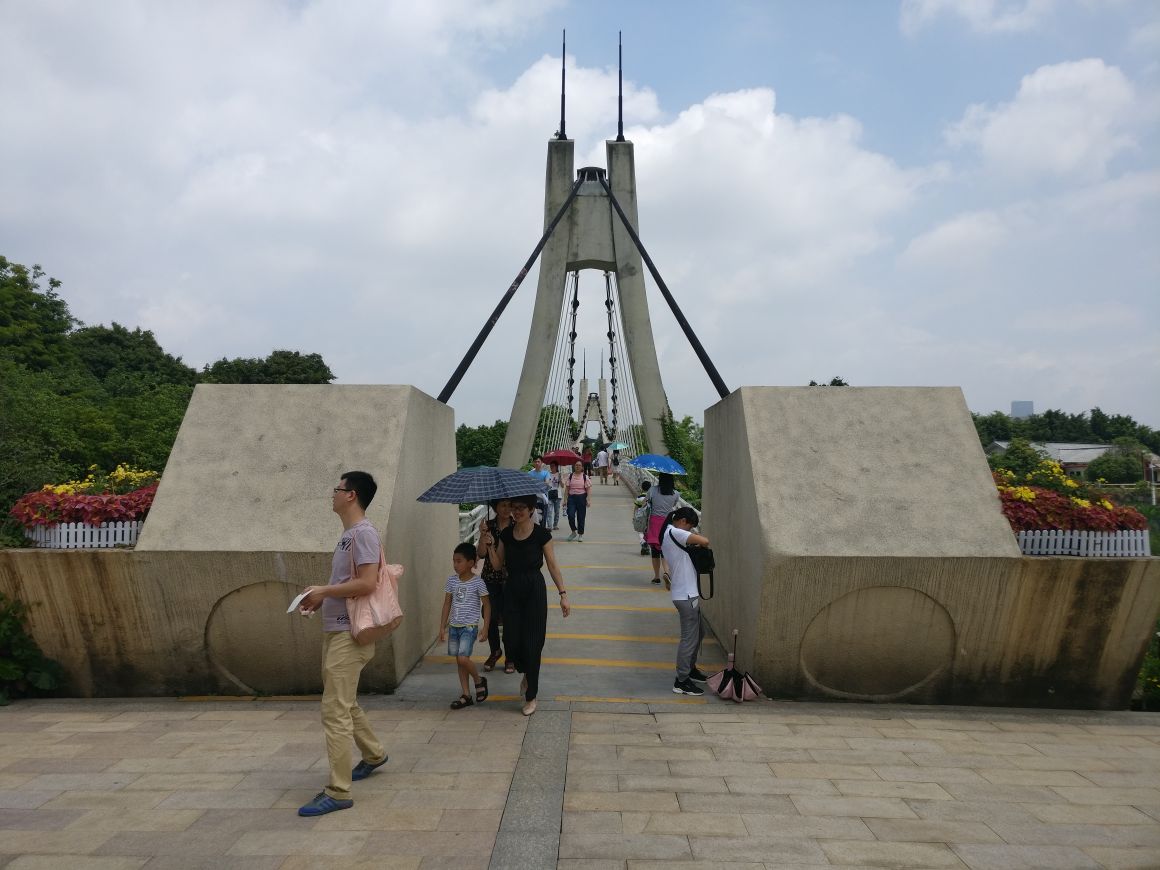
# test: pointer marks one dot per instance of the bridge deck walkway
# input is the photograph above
(619, 644)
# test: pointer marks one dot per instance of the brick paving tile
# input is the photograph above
(349, 862)
(816, 827)
(914, 773)
(625, 846)
(864, 807)
(1097, 814)
(621, 801)
(779, 785)
(56, 843)
(37, 819)
(75, 862)
(878, 788)
(1114, 858)
(774, 851)
(482, 821)
(331, 843)
(984, 856)
(1078, 835)
(189, 843)
(611, 864)
(591, 822)
(445, 844)
(971, 811)
(859, 757)
(1098, 795)
(636, 782)
(895, 855)
(737, 803)
(368, 816)
(970, 791)
(685, 865)
(85, 799)
(594, 781)
(1034, 777)
(699, 824)
(822, 771)
(113, 819)
(929, 831)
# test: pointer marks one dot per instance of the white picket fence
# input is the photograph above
(78, 536)
(1056, 542)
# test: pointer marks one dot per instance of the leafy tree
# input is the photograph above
(1020, 458)
(34, 323)
(554, 419)
(280, 367)
(108, 351)
(834, 382)
(685, 442)
(480, 445)
(1122, 464)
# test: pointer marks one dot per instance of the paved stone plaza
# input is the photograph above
(637, 779)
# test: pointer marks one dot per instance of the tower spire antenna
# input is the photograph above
(619, 86)
(561, 134)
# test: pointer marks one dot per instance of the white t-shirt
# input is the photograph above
(601, 460)
(682, 574)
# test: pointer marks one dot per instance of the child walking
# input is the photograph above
(465, 601)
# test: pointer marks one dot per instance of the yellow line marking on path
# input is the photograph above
(592, 698)
(627, 638)
(206, 698)
(621, 607)
(653, 588)
(586, 663)
(610, 567)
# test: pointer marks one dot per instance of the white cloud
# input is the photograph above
(351, 180)
(1067, 119)
(982, 16)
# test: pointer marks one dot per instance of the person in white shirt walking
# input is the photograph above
(675, 535)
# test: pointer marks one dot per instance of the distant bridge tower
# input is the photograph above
(589, 236)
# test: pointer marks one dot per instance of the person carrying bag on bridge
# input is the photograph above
(579, 500)
(676, 536)
(662, 499)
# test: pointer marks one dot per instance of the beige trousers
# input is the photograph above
(342, 717)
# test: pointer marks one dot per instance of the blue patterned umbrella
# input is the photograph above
(482, 484)
(658, 463)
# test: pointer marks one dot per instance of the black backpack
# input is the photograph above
(703, 563)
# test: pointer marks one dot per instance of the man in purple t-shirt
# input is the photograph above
(342, 658)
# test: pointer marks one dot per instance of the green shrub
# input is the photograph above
(24, 669)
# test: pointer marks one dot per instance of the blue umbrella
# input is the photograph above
(481, 484)
(658, 463)
(617, 445)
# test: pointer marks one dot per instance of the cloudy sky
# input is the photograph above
(924, 192)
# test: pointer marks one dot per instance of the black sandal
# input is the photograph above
(489, 663)
(461, 702)
(656, 580)
(481, 690)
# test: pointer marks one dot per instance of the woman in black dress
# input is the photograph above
(523, 549)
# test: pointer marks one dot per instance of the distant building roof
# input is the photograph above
(1064, 452)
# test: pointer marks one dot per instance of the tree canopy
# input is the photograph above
(73, 396)
(1053, 425)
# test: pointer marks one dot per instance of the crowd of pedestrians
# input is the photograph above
(496, 591)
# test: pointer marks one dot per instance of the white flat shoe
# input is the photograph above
(529, 708)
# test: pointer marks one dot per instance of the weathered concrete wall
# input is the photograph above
(863, 555)
(241, 523)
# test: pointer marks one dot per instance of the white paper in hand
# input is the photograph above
(297, 601)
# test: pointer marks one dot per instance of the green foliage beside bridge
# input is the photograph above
(73, 396)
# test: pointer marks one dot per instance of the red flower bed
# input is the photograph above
(47, 508)
(1053, 510)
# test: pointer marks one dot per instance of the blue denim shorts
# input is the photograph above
(461, 639)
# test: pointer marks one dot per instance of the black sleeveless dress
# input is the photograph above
(525, 617)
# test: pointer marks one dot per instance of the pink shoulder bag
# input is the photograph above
(378, 613)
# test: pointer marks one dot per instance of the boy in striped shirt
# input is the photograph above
(463, 604)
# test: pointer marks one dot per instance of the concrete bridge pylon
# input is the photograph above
(589, 236)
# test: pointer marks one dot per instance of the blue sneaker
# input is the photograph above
(364, 769)
(321, 804)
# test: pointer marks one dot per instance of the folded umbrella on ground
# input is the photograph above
(732, 685)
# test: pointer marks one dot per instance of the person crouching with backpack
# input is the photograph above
(676, 535)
